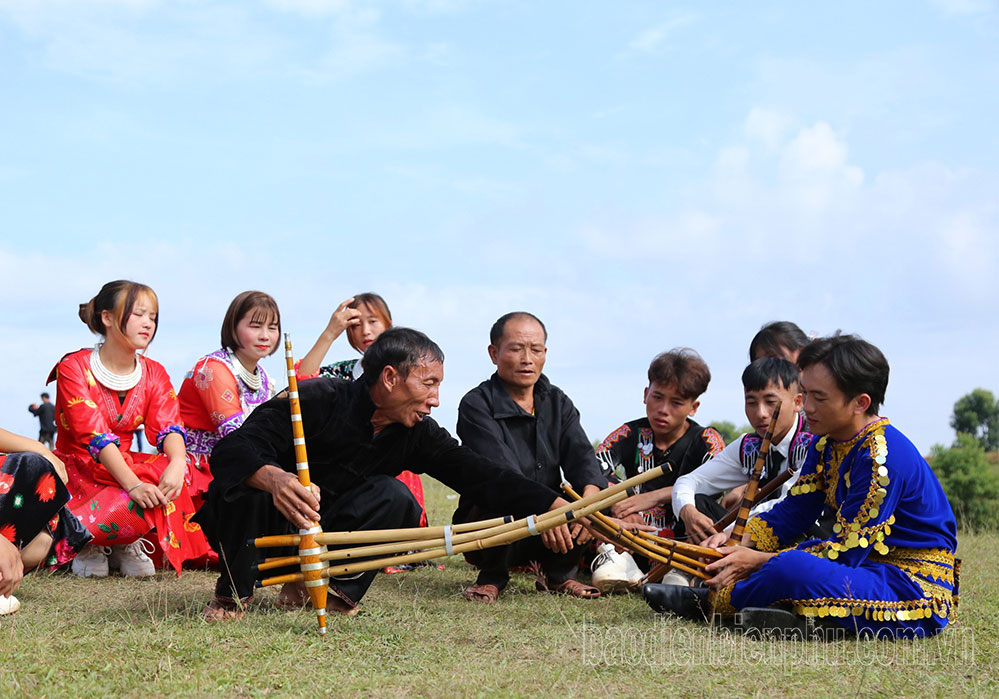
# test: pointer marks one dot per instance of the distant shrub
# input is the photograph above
(970, 480)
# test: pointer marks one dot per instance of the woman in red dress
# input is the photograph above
(104, 395)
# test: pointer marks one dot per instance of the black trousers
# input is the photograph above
(494, 563)
(378, 502)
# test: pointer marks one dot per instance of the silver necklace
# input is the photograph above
(106, 377)
(251, 379)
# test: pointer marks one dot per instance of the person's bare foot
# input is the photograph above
(335, 605)
(293, 595)
(225, 608)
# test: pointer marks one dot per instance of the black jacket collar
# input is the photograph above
(503, 404)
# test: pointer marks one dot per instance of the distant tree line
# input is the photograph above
(968, 473)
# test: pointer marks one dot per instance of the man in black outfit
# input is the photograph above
(519, 418)
(46, 420)
(360, 435)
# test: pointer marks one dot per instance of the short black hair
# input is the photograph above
(767, 370)
(682, 367)
(400, 348)
(774, 337)
(45, 395)
(499, 327)
(857, 366)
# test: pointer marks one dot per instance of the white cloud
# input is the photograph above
(311, 8)
(767, 126)
(651, 40)
(963, 7)
(815, 171)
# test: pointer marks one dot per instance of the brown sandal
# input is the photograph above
(572, 588)
(482, 593)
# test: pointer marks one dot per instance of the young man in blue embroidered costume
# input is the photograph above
(518, 418)
(767, 382)
(889, 567)
(667, 437)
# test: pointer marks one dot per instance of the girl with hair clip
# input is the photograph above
(104, 395)
(364, 317)
(226, 385)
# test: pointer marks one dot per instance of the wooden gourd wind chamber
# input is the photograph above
(310, 551)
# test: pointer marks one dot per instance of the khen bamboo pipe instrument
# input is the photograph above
(372, 536)
(764, 493)
(309, 550)
(628, 540)
(749, 497)
(483, 538)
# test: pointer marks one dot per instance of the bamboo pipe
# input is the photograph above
(690, 549)
(748, 499)
(308, 548)
(606, 494)
(764, 492)
(562, 515)
(754, 482)
(372, 536)
(403, 546)
(608, 528)
(397, 547)
(377, 535)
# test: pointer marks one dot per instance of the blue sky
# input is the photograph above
(641, 175)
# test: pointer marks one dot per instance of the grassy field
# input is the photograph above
(417, 635)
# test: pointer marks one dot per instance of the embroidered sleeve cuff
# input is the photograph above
(230, 424)
(163, 435)
(100, 441)
(762, 535)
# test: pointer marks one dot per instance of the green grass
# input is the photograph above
(417, 635)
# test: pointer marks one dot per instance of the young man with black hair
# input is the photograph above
(767, 383)
(667, 437)
(889, 568)
(781, 338)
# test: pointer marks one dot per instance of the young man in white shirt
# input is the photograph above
(767, 382)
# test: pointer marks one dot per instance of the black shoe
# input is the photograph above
(681, 600)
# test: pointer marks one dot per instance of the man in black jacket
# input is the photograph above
(520, 419)
(45, 412)
(360, 435)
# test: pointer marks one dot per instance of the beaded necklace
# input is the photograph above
(106, 377)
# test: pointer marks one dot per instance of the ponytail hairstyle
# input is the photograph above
(119, 298)
(262, 306)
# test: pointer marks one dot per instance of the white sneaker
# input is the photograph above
(9, 605)
(676, 577)
(131, 559)
(613, 571)
(92, 561)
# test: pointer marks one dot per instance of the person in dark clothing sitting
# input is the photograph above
(360, 435)
(519, 418)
